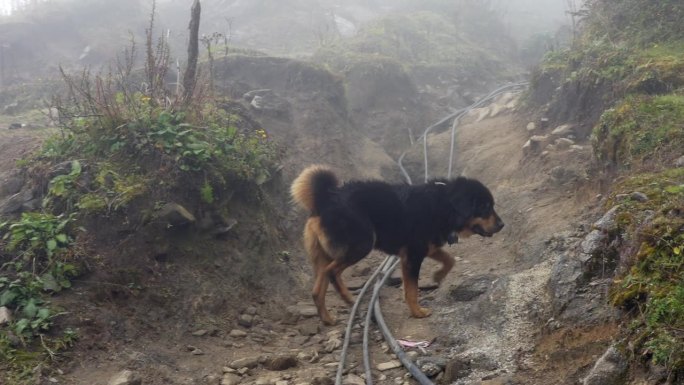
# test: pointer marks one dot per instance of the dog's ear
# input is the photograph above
(460, 211)
(461, 205)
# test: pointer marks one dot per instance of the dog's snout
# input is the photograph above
(499, 224)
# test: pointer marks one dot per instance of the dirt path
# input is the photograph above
(486, 314)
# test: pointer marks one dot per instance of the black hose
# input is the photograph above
(350, 322)
(387, 269)
(398, 351)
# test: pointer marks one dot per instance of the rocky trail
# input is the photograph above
(487, 315)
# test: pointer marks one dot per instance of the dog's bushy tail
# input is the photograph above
(312, 189)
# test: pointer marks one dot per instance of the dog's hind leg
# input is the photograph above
(319, 289)
(335, 277)
(447, 261)
(320, 260)
(410, 270)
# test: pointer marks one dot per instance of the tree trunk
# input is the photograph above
(190, 75)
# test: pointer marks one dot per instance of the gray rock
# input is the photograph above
(679, 162)
(388, 365)
(455, 369)
(563, 143)
(11, 185)
(534, 144)
(5, 315)
(200, 333)
(230, 379)
(607, 222)
(281, 362)
(125, 377)
(543, 122)
(249, 96)
(309, 329)
(610, 369)
(353, 379)
(566, 275)
(251, 310)
(237, 333)
(481, 361)
(412, 355)
(267, 101)
(431, 366)
(562, 175)
(638, 196)
(321, 380)
(264, 381)
(470, 289)
(32, 205)
(245, 320)
(245, 362)
(175, 215)
(563, 131)
(531, 127)
(592, 243)
(291, 315)
(16, 202)
(333, 343)
(307, 311)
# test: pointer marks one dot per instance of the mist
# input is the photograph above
(40, 33)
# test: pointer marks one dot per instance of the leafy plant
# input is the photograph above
(207, 193)
(63, 187)
(38, 234)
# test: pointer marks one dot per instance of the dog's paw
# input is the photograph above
(328, 320)
(422, 312)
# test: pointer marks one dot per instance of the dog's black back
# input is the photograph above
(369, 214)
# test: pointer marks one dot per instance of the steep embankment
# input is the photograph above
(621, 85)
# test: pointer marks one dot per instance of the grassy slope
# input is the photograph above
(635, 51)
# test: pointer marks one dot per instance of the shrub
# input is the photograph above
(653, 286)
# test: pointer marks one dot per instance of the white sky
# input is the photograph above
(4, 7)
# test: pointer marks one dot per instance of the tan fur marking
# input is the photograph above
(488, 224)
(411, 289)
(301, 189)
(447, 261)
(327, 268)
(314, 232)
(339, 285)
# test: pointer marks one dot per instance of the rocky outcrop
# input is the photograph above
(610, 369)
(580, 278)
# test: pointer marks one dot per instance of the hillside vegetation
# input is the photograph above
(163, 170)
(623, 83)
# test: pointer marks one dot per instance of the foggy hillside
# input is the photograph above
(525, 154)
(43, 31)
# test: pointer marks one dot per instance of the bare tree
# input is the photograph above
(572, 11)
(190, 75)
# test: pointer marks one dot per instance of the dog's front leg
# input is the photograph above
(410, 271)
(447, 261)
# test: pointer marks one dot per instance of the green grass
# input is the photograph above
(653, 286)
(641, 130)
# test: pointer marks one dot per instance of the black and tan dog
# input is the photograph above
(348, 221)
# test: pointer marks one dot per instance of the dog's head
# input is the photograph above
(472, 208)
